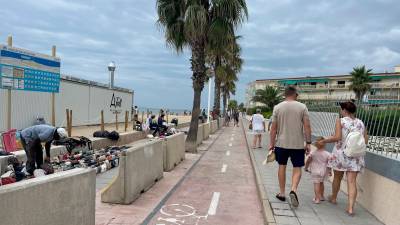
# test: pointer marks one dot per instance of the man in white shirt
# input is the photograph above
(258, 123)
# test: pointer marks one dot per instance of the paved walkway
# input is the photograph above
(307, 213)
(220, 190)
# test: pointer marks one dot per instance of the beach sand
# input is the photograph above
(88, 131)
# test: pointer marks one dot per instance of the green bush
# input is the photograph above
(265, 111)
(381, 122)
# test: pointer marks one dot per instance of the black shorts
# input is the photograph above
(297, 156)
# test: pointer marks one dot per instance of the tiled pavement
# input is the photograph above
(307, 213)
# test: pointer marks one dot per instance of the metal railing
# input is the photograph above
(381, 119)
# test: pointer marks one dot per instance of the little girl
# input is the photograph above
(316, 163)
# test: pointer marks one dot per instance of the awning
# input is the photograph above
(290, 82)
(384, 77)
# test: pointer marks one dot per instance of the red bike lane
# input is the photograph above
(220, 189)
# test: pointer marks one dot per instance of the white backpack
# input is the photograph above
(354, 144)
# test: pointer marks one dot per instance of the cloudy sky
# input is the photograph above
(282, 38)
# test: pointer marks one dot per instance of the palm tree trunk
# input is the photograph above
(217, 97)
(199, 77)
(224, 102)
(217, 89)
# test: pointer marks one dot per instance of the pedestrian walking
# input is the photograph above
(342, 161)
(289, 130)
(258, 126)
(317, 165)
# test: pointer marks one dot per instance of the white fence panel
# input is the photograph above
(3, 110)
(72, 96)
(27, 106)
(102, 99)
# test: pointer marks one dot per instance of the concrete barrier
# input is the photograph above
(200, 134)
(97, 143)
(214, 126)
(124, 139)
(65, 198)
(140, 167)
(182, 125)
(21, 156)
(206, 131)
(173, 150)
(220, 122)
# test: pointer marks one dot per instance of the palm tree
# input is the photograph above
(219, 57)
(192, 24)
(269, 96)
(228, 89)
(360, 79)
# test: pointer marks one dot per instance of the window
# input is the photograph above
(341, 84)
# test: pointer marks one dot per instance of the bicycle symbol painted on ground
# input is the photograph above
(179, 214)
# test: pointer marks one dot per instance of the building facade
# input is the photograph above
(384, 87)
(85, 98)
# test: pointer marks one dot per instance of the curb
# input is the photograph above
(269, 218)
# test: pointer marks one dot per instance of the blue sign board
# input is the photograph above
(25, 70)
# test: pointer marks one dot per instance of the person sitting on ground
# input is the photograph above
(32, 139)
(162, 123)
(153, 126)
(317, 165)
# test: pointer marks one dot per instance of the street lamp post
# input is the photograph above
(209, 99)
(111, 69)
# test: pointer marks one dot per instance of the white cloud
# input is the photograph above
(282, 38)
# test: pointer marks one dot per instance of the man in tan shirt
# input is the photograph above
(290, 129)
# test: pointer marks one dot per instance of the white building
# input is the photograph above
(385, 86)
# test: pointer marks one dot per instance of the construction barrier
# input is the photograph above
(65, 198)
(174, 151)
(139, 168)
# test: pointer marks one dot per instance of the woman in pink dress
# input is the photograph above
(339, 162)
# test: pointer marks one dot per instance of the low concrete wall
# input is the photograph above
(97, 143)
(379, 195)
(214, 126)
(220, 122)
(65, 198)
(174, 151)
(182, 125)
(200, 134)
(206, 131)
(124, 139)
(54, 151)
(140, 167)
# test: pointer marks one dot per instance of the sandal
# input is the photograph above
(331, 200)
(294, 199)
(350, 214)
(281, 198)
